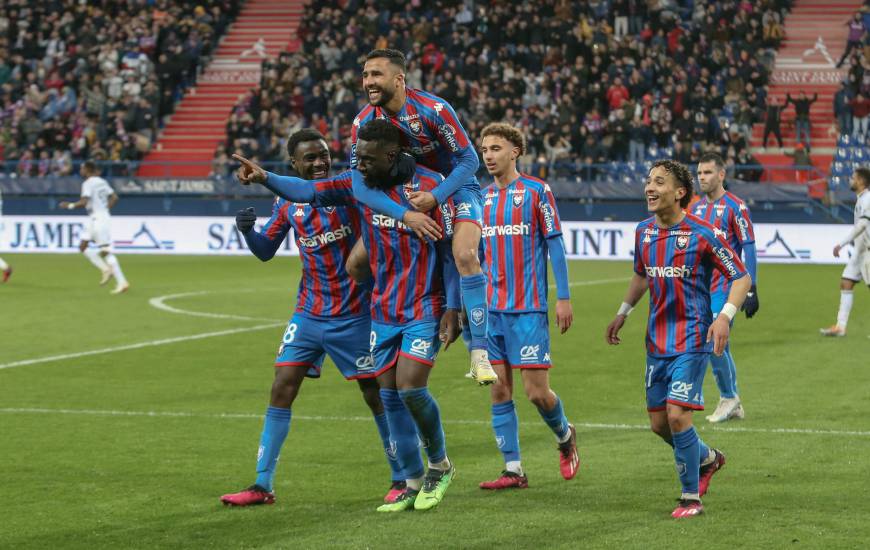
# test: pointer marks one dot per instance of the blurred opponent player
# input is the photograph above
(431, 132)
(332, 313)
(674, 256)
(98, 198)
(520, 225)
(5, 269)
(726, 212)
(408, 300)
(858, 268)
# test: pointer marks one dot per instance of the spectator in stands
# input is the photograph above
(772, 121)
(860, 107)
(802, 124)
(801, 161)
(855, 38)
(843, 108)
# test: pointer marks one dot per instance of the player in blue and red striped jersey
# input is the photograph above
(725, 211)
(408, 300)
(675, 255)
(431, 132)
(331, 317)
(521, 225)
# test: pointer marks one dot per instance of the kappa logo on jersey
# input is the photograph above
(416, 127)
(719, 233)
(477, 316)
(438, 107)
(529, 354)
(669, 271)
(326, 238)
(420, 347)
(300, 211)
(506, 230)
(727, 257)
(720, 209)
(681, 390)
(356, 122)
(487, 202)
(365, 363)
(449, 134)
(682, 242)
(549, 221)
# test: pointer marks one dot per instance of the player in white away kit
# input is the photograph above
(5, 269)
(858, 268)
(98, 197)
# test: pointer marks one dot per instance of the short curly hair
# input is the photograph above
(508, 132)
(684, 178)
(380, 130)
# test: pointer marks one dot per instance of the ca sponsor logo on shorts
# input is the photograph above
(680, 390)
(420, 347)
(365, 363)
(529, 354)
(463, 209)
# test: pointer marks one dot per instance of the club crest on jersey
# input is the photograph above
(416, 127)
(329, 209)
(408, 189)
(477, 316)
(518, 199)
(682, 242)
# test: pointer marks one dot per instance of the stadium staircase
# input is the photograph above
(186, 146)
(815, 37)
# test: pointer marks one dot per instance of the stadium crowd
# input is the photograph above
(590, 81)
(94, 79)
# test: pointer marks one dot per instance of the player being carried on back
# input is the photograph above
(408, 299)
(675, 255)
(726, 212)
(431, 132)
(332, 313)
(520, 225)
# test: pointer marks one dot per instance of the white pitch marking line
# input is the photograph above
(147, 344)
(159, 302)
(588, 425)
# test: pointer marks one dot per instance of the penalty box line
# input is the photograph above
(251, 416)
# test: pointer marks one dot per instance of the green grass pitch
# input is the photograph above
(132, 448)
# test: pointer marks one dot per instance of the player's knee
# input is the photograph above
(542, 398)
(466, 259)
(661, 428)
(371, 395)
(501, 392)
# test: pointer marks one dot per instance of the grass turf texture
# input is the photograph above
(109, 479)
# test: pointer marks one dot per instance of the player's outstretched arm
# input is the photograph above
(66, 205)
(260, 245)
(376, 199)
(721, 327)
(636, 289)
(750, 258)
(463, 171)
(564, 310)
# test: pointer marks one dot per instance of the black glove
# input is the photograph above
(750, 305)
(245, 219)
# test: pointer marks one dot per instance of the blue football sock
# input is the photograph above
(703, 450)
(389, 450)
(403, 435)
(507, 431)
(687, 458)
(474, 298)
(275, 429)
(725, 373)
(556, 420)
(425, 411)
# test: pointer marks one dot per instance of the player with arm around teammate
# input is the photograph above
(520, 225)
(726, 212)
(408, 301)
(98, 198)
(431, 132)
(858, 267)
(674, 256)
(332, 314)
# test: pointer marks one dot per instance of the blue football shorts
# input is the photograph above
(678, 380)
(417, 341)
(520, 340)
(307, 340)
(468, 204)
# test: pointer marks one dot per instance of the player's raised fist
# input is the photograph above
(249, 172)
(245, 219)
